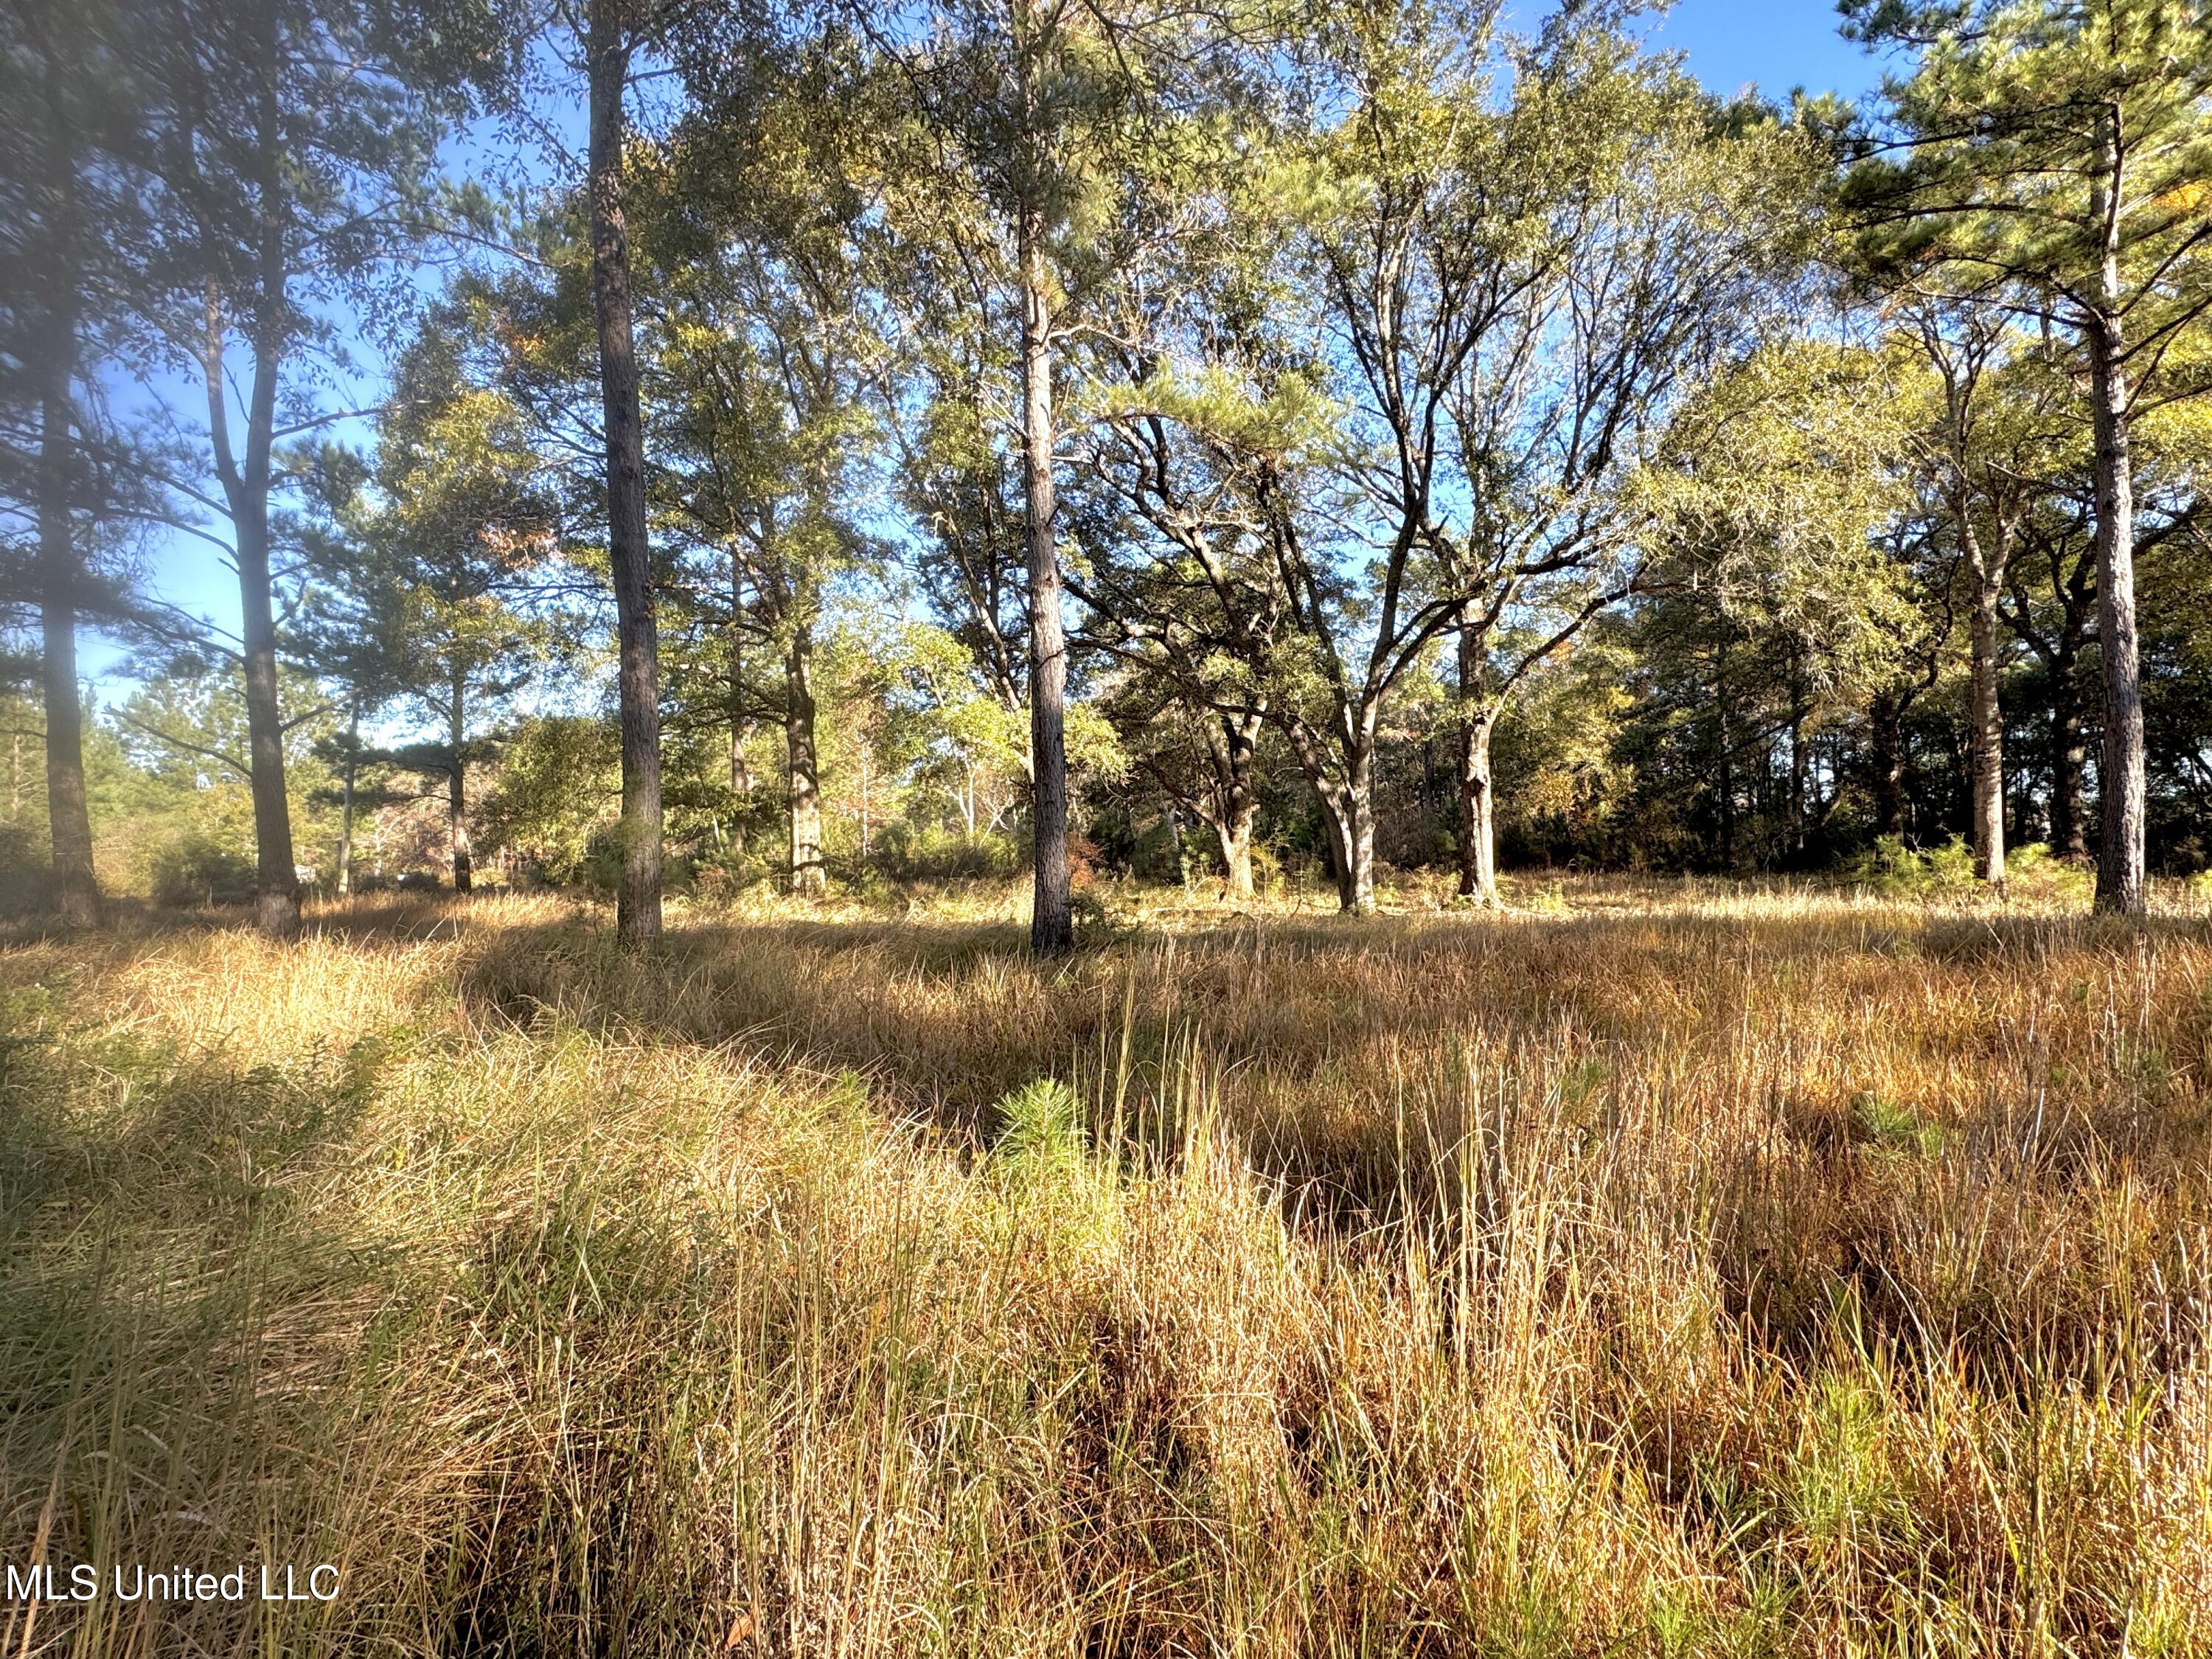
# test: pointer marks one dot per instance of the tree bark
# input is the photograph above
(276, 879)
(345, 808)
(1478, 719)
(1356, 882)
(457, 788)
(77, 887)
(1051, 924)
(741, 725)
(1478, 811)
(1985, 572)
(2121, 789)
(457, 830)
(246, 485)
(1235, 743)
(637, 903)
(1801, 706)
(802, 767)
(2121, 783)
(1723, 762)
(2069, 753)
(1885, 718)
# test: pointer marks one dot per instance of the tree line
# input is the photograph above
(1385, 431)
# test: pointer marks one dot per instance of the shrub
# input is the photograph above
(1890, 866)
(197, 869)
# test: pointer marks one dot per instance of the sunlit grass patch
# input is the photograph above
(1744, 1274)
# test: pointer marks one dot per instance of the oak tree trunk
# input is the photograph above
(1478, 811)
(1235, 748)
(1478, 847)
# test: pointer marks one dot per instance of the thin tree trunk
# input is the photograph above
(2121, 794)
(1723, 762)
(741, 775)
(803, 772)
(2069, 753)
(637, 903)
(1885, 718)
(277, 881)
(457, 805)
(2120, 777)
(457, 830)
(246, 485)
(1793, 840)
(1985, 723)
(77, 887)
(1051, 924)
(345, 809)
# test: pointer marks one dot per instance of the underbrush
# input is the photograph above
(1746, 1275)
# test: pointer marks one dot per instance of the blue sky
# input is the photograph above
(1774, 45)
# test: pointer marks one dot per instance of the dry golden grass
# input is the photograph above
(1677, 1270)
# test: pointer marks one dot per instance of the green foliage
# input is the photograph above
(1890, 866)
(196, 868)
(558, 792)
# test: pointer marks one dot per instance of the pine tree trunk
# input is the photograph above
(1051, 924)
(637, 901)
(2069, 753)
(802, 774)
(2121, 795)
(67, 813)
(276, 879)
(247, 484)
(457, 804)
(2120, 777)
(457, 829)
(345, 807)
(1985, 721)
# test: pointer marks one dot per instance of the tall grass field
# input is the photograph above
(1661, 1270)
